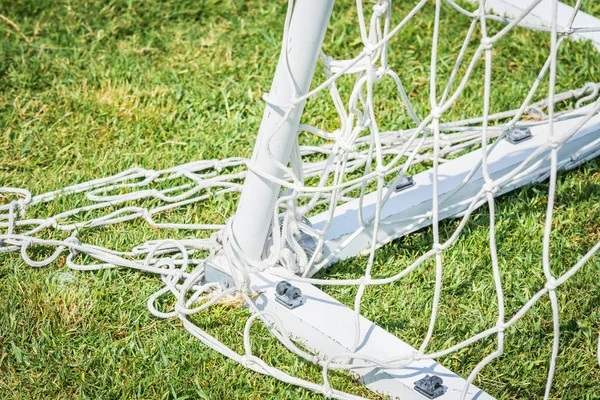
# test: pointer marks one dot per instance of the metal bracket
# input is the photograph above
(306, 242)
(518, 135)
(288, 295)
(430, 386)
(404, 182)
(215, 274)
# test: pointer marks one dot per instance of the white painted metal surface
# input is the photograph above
(541, 15)
(276, 135)
(405, 212)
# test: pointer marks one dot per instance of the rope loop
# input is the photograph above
(381, 170)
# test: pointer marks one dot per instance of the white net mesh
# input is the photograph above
(344, 165)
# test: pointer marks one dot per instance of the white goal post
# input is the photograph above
(280, 123)
(302, 208)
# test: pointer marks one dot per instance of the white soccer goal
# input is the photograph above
(350, 190)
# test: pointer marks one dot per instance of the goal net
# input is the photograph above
(392, 141)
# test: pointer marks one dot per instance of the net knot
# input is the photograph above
(486, 43)
(415, 355)
(22, 205)
(368, 50)
(551, 284)
(445, 141)
(438, 248)
(436, 113)
(379, 9)
(297, 189)
(346, 148)
(244, 361)
(426, 157)
(218, 166)
(553, 142)
(74, 242)
(490, 187)
(381, 170)
(177, 275)
(327, 60)
(151, 174)
(381, 72)
(500, 326)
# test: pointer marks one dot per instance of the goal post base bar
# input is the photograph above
(406, 211)
(327, 328)
(541, 15)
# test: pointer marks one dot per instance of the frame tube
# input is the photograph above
(255, 208)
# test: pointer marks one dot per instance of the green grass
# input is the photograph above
(90, 88)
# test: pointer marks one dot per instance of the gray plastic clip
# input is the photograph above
(430, 386)
(404, 182)
(288, 295)
(518, 135)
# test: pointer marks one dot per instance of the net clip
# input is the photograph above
(404, 182)
(288, 295)
(430, 386)
(518, 135)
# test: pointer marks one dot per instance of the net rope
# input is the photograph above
(353, 158)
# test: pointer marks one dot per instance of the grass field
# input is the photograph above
(91, 88)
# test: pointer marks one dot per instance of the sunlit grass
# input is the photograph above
(91, 88)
